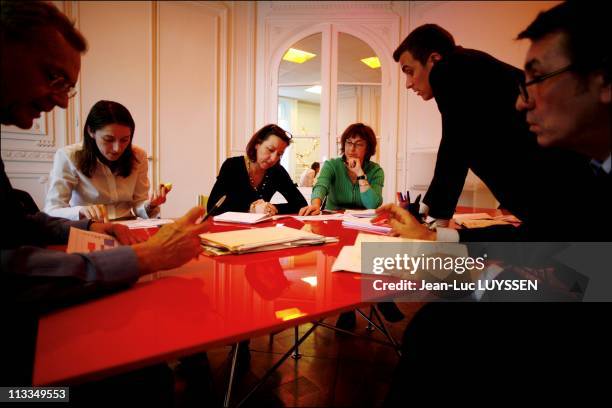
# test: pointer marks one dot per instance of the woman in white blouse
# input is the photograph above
(104, 177)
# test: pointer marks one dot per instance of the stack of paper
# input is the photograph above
(364, 223)
(260, 239)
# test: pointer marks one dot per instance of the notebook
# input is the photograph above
(261, 239)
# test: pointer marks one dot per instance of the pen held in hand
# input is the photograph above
(215, 207)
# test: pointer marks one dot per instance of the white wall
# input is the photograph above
(190, 62)
(117, 65)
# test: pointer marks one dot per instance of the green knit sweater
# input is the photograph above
(335, 183)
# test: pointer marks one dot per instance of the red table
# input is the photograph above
(204, 304)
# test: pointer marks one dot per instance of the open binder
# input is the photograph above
(259, 239)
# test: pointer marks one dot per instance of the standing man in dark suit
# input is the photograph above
(481, 129)
(525, 348)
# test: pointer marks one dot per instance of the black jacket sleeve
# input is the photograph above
(232, 183)
(451, 164)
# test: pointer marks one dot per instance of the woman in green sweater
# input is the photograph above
(350, 181)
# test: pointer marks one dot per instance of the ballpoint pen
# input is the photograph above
(215, 207)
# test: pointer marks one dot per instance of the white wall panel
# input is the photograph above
(190, 85)
(117, 65)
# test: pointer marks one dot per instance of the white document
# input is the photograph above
(349, 259)
(242, 217)
(278, 198)
(144, 223)
(89, 241)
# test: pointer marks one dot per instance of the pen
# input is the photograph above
(323, 203)
(212, 210)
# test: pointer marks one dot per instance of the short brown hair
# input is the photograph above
(425, 40)
(586, 28)
(22, 20)
(363, 131)
(262, 135)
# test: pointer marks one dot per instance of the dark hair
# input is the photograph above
(315, 166)
(262, 135)
(363, 131)
(586, 27)
(22, 20)
(425, 40)
(105, 113)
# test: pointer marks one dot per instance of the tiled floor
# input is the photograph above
(335, 369)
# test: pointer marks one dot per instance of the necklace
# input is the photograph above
(252, 180)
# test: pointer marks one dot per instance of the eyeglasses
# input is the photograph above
(356, 145)
(523, 85)
(278, 129)
(59, 85)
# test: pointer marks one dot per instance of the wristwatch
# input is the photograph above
(363, 177)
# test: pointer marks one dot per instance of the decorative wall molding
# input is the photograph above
(27, 155)
(334, 6)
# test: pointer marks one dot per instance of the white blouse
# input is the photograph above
(307, 178)
(70, 189)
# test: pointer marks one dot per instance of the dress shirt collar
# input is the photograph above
(602, 165)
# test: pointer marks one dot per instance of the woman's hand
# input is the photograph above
(159, 196)
(96, 212)
(263, 207)
(312, 209)
(353, 165)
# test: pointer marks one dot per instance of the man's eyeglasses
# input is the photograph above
(356, 145)
(59, 85)
(523, 85)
